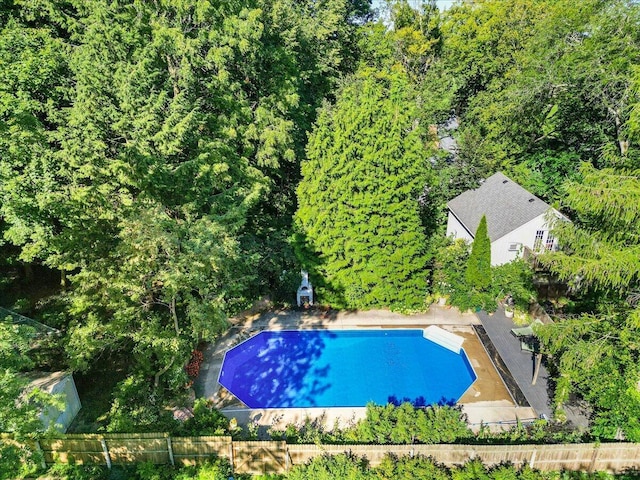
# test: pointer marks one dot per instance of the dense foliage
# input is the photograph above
(358, 200)
(212, 469)
(451, 282)
(20, 403)
(149, 152)
(338, 467)
(407, 424)
(478, 273)
(348, 466)
(175, 160)
(386, 424)
(383, 425)
(601, 260)
(543, 85)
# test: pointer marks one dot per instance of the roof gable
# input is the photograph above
(505, 203)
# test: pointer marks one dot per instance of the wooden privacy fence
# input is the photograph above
(278, 457)
(611, 457)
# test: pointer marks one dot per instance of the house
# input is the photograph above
(62, 384)
(515, 218)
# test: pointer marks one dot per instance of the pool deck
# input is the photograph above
(488, 401)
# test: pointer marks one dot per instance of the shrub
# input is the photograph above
(193, 367)
(472, 300)
(137, 407)
(406, 424)
(478, 273)
(448, 274)
(312, 431)
(417, 468)
(449, 278)
(515, 279)
(214, 469)
(342, 466)
(149, 471)
(16, 462)
(206, 420)
(63, 471)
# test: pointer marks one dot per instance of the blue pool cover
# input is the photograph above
(344, 368)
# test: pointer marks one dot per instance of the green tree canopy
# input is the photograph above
(542, 83)
(150, 150)
(20, 407)
(600, 258)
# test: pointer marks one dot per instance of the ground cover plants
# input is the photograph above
(406, 424)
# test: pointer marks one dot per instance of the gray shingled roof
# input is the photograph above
(505, 203)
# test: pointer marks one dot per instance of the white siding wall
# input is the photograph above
(500, 253)
(524, 235)
(456, 230)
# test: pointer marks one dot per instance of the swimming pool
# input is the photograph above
(344, 368)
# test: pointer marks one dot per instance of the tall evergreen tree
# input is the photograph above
(35, 93)
(600, 258)
(359, 197)
(478, 272)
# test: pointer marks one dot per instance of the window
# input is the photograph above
(550, 242)
(537, 243)
(514, 247)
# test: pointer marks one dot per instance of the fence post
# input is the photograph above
(105, 450)
(170, 448)
(40, 452)
(287, 460)
(533, 458)
(231, 459)
(594, 458)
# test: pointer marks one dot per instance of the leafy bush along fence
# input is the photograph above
(259, 457)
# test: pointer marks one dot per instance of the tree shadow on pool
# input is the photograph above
(420, 401)
(278, 369)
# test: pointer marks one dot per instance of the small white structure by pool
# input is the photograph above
(442, 337)
(305, 290)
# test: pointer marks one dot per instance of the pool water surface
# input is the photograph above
(344, 368)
